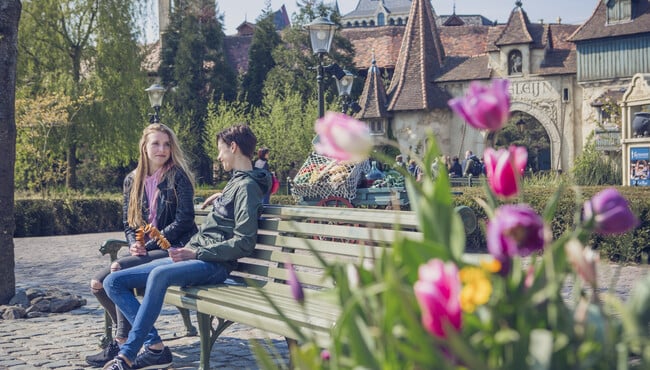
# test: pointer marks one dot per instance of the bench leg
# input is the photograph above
(190, 330)
(208, 335)
(108, 331)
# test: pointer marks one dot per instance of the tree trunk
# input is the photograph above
(9, 18)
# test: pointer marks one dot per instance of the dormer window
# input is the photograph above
(619, 11)
(381, 19)
(515, 62)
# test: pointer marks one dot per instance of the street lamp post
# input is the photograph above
(321, 32)
(344, 85)
(156, 93)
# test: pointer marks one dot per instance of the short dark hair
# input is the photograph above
(262, 152)
(242, 135)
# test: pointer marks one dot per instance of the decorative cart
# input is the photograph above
(323, 181)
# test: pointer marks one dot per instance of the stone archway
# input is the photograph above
(546, 113)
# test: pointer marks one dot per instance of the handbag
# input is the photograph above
(275, 184)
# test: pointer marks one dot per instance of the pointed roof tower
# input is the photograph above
(420, 60)
(373, 100)
(517, 29)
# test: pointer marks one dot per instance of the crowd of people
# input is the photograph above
(471, 165)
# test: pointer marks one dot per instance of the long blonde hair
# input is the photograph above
(176, 161)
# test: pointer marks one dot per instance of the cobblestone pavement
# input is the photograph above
(62, 341)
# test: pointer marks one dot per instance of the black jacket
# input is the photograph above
(175, 210)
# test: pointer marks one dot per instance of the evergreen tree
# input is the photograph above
(194, 65)
(260, 57)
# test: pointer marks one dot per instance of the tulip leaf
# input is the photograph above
(551, 204)
(505, 336)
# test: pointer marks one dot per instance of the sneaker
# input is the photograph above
(148, 359)
(117, 364)
(108, 353)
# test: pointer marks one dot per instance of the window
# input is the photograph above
(381, 19)
(619, 11)
(377, 127)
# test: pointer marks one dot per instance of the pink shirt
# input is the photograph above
(151, 189)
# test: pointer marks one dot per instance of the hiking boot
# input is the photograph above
(148, 359)
(117, 364)
(108, 353)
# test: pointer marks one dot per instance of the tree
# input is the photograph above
(194, 65)
(9, 20)
(260, 56)
(81, 48)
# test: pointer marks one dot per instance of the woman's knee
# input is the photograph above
(96, 286)
(115, 266)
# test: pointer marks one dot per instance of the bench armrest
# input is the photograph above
(111, 247)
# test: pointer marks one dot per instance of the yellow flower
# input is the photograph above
(476, 290)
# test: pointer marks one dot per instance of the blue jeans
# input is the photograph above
(156, 276)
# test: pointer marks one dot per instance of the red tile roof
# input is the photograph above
(596, 26)
(516, 30)
(420, 60)
(373, 100)
(237, 51)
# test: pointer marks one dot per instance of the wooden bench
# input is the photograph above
(289, 234)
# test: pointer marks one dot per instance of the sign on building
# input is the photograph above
(608, 139)
(639, 158)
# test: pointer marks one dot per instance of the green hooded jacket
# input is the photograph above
(229, 232)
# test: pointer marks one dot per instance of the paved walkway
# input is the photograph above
(61, 341)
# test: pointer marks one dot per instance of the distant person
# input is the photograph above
(399, 162)
(415, 170)
(456, 170)
(473, 166)
(262, 162)
(160, 192)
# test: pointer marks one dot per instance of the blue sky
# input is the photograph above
(571, 11)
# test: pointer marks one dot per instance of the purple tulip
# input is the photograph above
(294, 284)
(515, 230)
(610, 212)
(484, 107)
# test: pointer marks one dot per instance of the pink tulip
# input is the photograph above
(438, 293)
(610, 212)
(504, 169)
(325, 355)
(515, 230)
(484, 107)
(343, 138)
(294, 284)
(583, 260)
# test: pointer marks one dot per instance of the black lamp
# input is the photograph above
(156, 93)
(321, 33)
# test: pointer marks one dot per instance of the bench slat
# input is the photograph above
(343, 215)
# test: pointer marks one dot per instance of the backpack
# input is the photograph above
(476, 169)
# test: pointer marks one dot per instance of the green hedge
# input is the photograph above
(37, 217)
(630, 247)
(43, 217)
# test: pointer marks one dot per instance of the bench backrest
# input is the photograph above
(289, 233)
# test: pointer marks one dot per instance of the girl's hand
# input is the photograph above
(210, 199)
(181, 254)
(137, 249)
